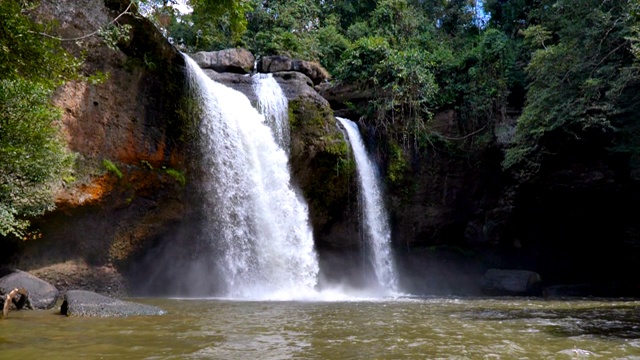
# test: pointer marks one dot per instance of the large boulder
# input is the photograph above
(510, 282)
(88, 303)
(294, 85)
(274, 64)
(42, 294)
(238, 82)
(236, 60)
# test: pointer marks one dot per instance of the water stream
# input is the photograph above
(376, 223)
(257, 225)
(273, 105)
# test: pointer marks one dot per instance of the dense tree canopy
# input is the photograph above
(582, 80)
(32, 157)
(569, 69)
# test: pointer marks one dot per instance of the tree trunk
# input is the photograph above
(18, 297)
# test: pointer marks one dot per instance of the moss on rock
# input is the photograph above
(322, 166)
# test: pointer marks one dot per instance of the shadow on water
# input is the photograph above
(614, 321)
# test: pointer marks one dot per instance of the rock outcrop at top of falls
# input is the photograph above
(236, 60)
(275, 64)
(241, 61)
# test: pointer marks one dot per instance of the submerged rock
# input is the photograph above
(510, 282)
(88, 303)
(42, 294)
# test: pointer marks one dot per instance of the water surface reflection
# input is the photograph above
(407, 328)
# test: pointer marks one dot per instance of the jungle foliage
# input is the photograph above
(418, 56)
(568, 70)
(33, 159)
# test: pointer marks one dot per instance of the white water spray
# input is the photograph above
(257, 224)
(274, 106)
(375, 216)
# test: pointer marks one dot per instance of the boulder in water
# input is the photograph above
(236, 60)
(88, 303)
(510, 282)
(42, 294)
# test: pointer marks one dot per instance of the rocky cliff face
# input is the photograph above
(129, 205)
(127, 188)
(456, 213)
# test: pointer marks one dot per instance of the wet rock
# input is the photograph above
(88, 303)
(42, 294)
(295, 86)
(274, 64)
(237, 60)
(239, 82)
(510, 282)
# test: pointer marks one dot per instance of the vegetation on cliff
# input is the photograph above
(34, 62)
(582, 80)
(569, 68)
(33, 158)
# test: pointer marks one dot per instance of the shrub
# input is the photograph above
(112, 168)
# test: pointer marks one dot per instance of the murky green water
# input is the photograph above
(511, 328)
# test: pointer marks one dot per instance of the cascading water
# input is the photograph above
(256, 223)
(273, 105)
(375, 216)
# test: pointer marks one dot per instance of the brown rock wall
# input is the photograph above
(105, 218)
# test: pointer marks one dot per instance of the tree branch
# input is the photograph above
(463, 137)
(126, 11)
(11, 298)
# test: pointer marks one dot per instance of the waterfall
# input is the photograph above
(375, 219)
(273, 105)
(256, 223)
